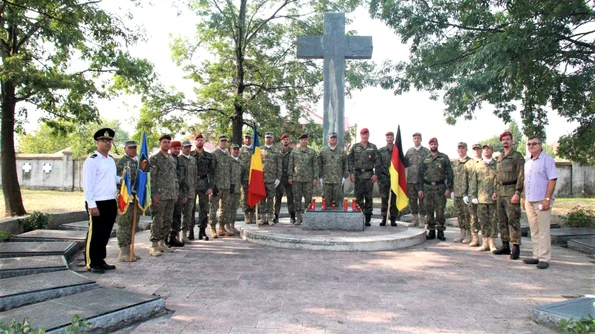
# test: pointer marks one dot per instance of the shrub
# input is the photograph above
(579, 217)
(581, 326)
(77, 326)
(5, 236)
(37, 220)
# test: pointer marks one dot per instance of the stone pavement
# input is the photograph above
(228, 285)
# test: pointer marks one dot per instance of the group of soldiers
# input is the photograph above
(184, 181)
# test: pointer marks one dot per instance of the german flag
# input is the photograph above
(398, 182)
(256, 189)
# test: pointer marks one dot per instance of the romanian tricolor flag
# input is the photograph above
(256, 189)
(398, 182)
(125, 192)
(142, 184)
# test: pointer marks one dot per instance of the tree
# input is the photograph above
(539, 54)
(58, 56)
(243, 62)
(517, 138)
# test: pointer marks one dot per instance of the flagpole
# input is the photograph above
(131, 258)
(390, 196)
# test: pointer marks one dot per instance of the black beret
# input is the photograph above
(105, 133)
(168, 137)
(303, 135)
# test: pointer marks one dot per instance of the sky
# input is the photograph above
(377, 109)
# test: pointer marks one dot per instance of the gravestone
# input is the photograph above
(583, 244)
(22, 249)
(52, 235)
(334, 47)
(560, 236)
(551, 314)
(20, 266)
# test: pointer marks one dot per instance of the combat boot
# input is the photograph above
(292, 218)
(124, 255)
(422, 222)
(484, 245)
(269, 220)
(414, 221)
(504, 250)
(164, 248)
(154, 250)
(431, 235)
(260, 220)
(467, 237)
(383, 223)
(252, 218)
(492, 245)
(246, 218)
(368, 219)
(174, 242)
(516, 252)
(234, 229)
(228, 229)
(213, 232)
(441, 235)
(184, 237)
(276, 219)
(299, 218)
(223, 232)
(475, 241)
(191, 234)
(461, 236)
(393, 221)
(202, 234)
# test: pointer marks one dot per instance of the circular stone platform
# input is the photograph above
(374, 238)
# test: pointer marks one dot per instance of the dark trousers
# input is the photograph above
(100, 228)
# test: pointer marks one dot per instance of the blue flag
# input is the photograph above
(142, 185)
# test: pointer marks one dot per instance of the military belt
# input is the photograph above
(434, 183)
(363, 170)
(508, 183)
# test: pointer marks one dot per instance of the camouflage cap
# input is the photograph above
(186, 143)
(418, 134)
(476, 146)
(234, 146)
(131, 143)
(488, 145)
(269, 135)
(332, 134)
(223, 137)
(461, 144)
(247, 135)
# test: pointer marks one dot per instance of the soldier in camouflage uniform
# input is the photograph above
(463, 167)
(191, 177)
(303, 175)
(284, 186)
(412, 161)
(272, 169)
(385, 155)
(181, 172)
(164, 194)
(482, 189)
(124, 222)
(363, 159)
(474, 222)
(436, 181)
(510, 181)
(220, 198)
(205, 182)
(237, 172)
(333, 171)
(246, 158)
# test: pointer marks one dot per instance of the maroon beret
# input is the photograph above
(285, 135)
(364, 131)
(433, 140)
(506, 133)
(175, 143)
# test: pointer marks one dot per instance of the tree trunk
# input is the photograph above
(237, 123)
(237, 120)
(11, 189)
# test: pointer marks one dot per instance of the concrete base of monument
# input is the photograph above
(374, 238)
(333, 220)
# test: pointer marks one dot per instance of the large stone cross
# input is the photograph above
(334, 47)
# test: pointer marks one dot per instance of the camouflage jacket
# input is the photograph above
(303, 165)
(271, 164)
(383, 172)
(284, 156)
(333, 164)
(237, 173)
(436, 169)
(182, 174)
(462, 170)
(132, 165)
(164, 179)
(246, 158)
(191, 174)
(363, 160)
(222, 161)
(482, 184)
(510, 174)
(205, 167)
(412, 161)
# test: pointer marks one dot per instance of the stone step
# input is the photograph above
(29, 265)
(550, 315)
(525, 231)
(23, 249)
(583, 244)
(52, 235)
(561, 236)
(106, 309)
(18, 291)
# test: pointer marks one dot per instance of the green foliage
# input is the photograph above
(244, 64)
(581, 326)
(77, 326)
(579, 217)
(536, 54)
(517, 137)
(5, 236)
(36, 221)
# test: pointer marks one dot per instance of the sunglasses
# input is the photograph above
(532, 144)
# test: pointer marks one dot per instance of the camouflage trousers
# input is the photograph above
(176, 222)
(384, 195)
(284, 187)
(203, 211)
(363, 194)
(435, 202)
(474, 221)
(462, 213)
(333, 192)
(267, 205)
(302, 190)
(124, 226)
(220, 208)
(188, 215)
(245, 207)
(416, 204)
(162, 214)
(509, 215)
(234, 204)
(489, 220)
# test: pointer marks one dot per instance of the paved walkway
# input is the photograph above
(231, 286)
